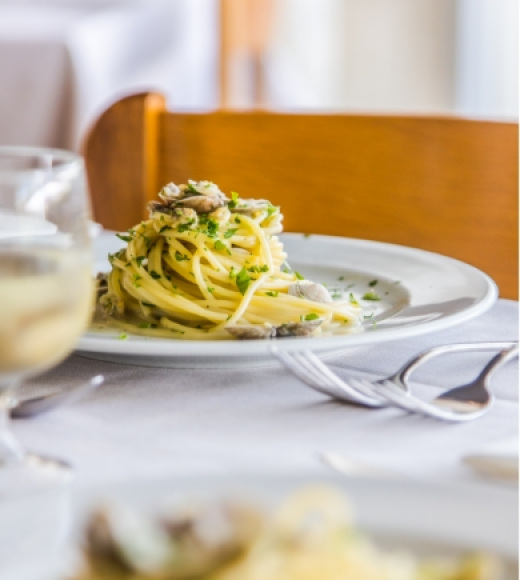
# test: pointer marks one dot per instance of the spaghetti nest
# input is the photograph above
(208, 266)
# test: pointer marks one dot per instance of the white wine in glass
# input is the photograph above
(46, 283)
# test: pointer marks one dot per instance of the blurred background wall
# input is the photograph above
(441, 56)
(63, 61)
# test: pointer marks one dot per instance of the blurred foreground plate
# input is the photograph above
(427, 518)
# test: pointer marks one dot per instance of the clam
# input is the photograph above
(250, 332)
(170, 192)
(174, 546)
(310, 291)
(206, 188)
(289, 329)
(201, 203)
(251, 206)
(101, 283)
(303, 328)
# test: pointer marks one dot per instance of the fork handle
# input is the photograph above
(508, 348)
(498, 360)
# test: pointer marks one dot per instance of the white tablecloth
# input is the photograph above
(62, 63)
(161, 422)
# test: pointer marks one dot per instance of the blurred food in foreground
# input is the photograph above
(310, 537)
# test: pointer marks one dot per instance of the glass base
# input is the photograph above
(33, 473)
(36, 517)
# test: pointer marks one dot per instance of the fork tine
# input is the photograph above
(333, 380)
(309, 373)
(289, 362)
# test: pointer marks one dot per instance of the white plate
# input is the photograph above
(426, 518)
(421, 292)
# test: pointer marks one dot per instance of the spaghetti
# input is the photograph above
(208, 266)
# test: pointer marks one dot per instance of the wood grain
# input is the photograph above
(447, 185)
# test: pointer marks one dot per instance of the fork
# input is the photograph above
(394, 390)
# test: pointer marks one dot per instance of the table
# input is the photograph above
(63, 63)
(162, 422)
(154, 430)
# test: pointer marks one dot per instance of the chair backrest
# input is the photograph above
(447, 185)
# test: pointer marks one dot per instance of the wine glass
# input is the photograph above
(46, 284)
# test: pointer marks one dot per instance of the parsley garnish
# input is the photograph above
(139, 260)
(274, 293)
(372, 283)
(180, 257)
(270, 210)
(234, 198)
(311, 316)
(155, 275)
(371, 295)
(230, 233)
(263, 268)
(219, 245)
(124, 238)
(242, 280)
(298, 275)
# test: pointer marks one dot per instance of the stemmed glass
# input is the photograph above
(46, 285)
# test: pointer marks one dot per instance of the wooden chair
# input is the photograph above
(447, 185)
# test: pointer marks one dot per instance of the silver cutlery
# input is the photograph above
(21, 409)
(461, 404)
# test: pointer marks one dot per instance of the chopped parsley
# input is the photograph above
(229, 233)
(180, 257)
(185, 226)
(211, 228)
(233, 202)
(124, 237)
(371, 295)
(155, 275)
(298, 275)
(219, 245)
(271, 209)
(352, 299)
(273, 293)
(311, 316)
(242, 280)
(263, 268)
(372, 283)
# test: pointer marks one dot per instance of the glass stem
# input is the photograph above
(11, 451)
